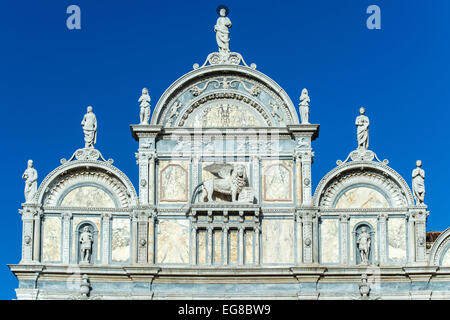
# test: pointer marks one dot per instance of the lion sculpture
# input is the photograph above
(228, 180)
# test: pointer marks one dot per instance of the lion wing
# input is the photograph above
(220, 170)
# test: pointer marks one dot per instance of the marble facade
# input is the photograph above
(279, 238)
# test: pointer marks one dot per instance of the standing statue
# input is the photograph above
(304, 106)
(86, 241)
(89, 125)
(362, 132)
(30, 175)
(145, 106)
(363, 242)
(418, 183)
(221, 29)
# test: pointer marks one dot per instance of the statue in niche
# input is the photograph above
(363, 243)
(418, 183)
(89, 125)
(145, 106)
(228, 180)
(221, 29)
(30, 175)
(86, 241)
(304, 106)
(362, 129)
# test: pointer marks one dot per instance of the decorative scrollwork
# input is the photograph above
(87, 154)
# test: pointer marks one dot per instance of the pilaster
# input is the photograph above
(343, 219)
(66, 222)
(382, 219)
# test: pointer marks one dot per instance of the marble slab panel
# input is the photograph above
(397, 239)
(362, 197)
(329, 240)
(120, 240)
(51, 239)
(86, 197)
(277, 181)
(277, 241)
(172, 241)
(173, 181)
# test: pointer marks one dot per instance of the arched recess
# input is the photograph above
(440, 251)
(94, 246)
(231, 84)
(101, 176)
(375, 177)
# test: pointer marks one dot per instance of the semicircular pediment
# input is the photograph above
(224, 96)
(87, 196)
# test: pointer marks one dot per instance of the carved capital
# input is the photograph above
(344, 217)
(383, 216)
(106, 216)
(66, 215)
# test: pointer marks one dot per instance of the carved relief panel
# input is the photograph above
(277, 181)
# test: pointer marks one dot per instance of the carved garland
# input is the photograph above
(97, 177)
(354, 177)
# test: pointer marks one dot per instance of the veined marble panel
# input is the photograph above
(277, 181)
(362, 197)
(329, 240)
(278, 241)
(217, 239)
(201, 249)
(397, 239)
(76, 220)
(173, 241)
(248, 254)
(233, 246)
(86, 197)
(173, 181)
(151, 242)
(121, 240)
(446, 259)
(374, 244)
(51, 239)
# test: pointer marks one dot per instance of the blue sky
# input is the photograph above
(49, 74)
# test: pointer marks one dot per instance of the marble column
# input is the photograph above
(241, 245)
(142, 157)
(411, 238)
(27, 234)
(299, 237)
(152, 179)
(37, 235)
(257, 245)
(134, 237)
(225, 244)
(142, 227)
(256, 178)
(151, 238)
(421, 236)
(194, 244)
(343, 218)
(66, 222)
(316, 222)
(306, 161)
(195, 161)
(307, 237)
(210, 246)
(382, 219)
(106, 235)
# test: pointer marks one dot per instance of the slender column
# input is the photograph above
(298, 181)
(241, 245)
(420, 231)
(134, 236)
(152, 180)
(256, 176)
(411, 238)
(257, 245)
(151, 239)
(307, 237)
(210, 245)
(66, 219)
(382, 218)
(299, 237)
(37, 235)
(316, 221)
(306, 160)
(225, 244)
(343, 218)
(142, 160)
(195, 160)
(27, 234)
(142, 227)
(106, 235)
(194, 244)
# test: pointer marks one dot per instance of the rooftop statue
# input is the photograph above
(418, 183)
(304, 106)
(221, 29)
(362, 130)
(145, 106)
(30, 175)
(89, 125)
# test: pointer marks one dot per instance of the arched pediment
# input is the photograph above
(87, 183)
(224, 96)
(363, 185)
(440, 251)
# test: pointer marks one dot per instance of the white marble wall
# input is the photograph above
(172, 244)
(329, 240)
(397, 239)
(120, 240)
(88, 196)
(173, 181)
(277, 241)
(51, 239)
